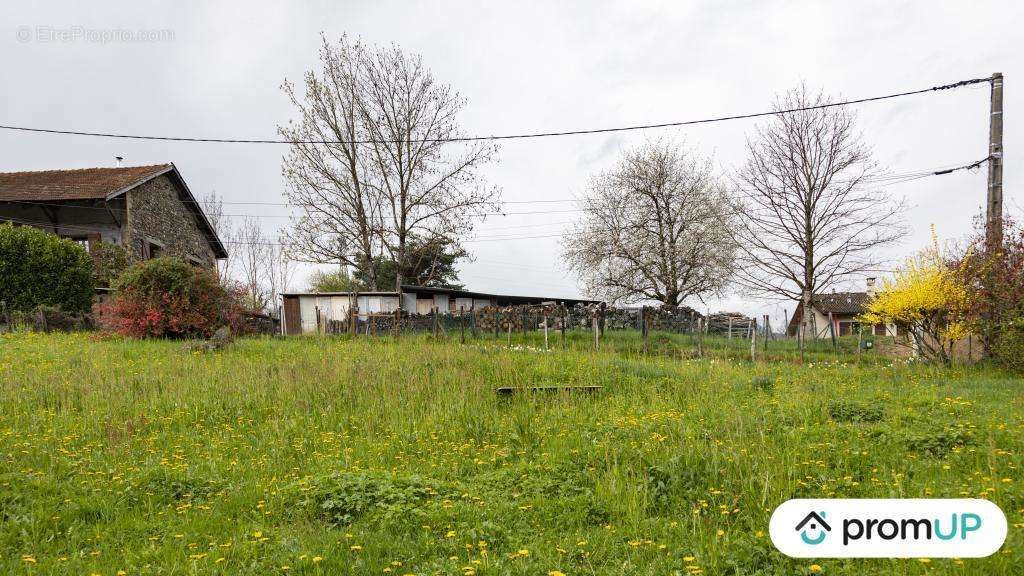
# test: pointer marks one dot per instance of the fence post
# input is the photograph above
(700, 337)
(545, 330)
(767, 331)
(832, 332)
(564, 320)
(753, 342)
(597, 332)
(472, 322)
(644, 327)
(353, 320)
(462, 324)
(860, 336)
(602, 321)
(497, 317)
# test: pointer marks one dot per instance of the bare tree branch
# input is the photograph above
(810, 217)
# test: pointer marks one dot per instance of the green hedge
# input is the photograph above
(38, 268)
(1009, 347)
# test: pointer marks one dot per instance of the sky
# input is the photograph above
(214, 69)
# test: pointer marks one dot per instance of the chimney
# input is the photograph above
(118, 159)
(871, 286)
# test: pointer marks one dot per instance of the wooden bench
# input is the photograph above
(506, 390)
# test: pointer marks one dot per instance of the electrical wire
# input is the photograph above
(888, 179)
(523, 136)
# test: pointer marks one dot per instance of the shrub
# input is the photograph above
(1009, 347)
(930, 297)
(108, 262)
(168, 297)
(38, 268)
(341, 498)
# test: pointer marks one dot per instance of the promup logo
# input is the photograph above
(817, 524)
(893, 528)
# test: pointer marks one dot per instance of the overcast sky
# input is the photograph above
(216, 70)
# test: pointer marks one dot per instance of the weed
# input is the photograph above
(848, 411)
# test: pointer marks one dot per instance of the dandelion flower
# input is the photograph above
(815, 568)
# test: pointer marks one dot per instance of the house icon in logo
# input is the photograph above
(817, 525)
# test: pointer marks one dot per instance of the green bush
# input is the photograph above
(38, 268)
(1009, 346)
(108, 262)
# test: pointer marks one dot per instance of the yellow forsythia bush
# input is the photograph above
(929, 298)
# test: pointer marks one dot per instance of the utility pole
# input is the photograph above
(994, 205)
(994, 211)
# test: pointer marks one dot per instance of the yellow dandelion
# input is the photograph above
(815, 568)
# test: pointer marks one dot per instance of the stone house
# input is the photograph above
(147, 209)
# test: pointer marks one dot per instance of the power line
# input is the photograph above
(885, 179)
(907, 177)
(953, 85)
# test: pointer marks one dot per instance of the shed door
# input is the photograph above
(292, 315)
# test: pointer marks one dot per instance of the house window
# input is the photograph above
(879, 329)
(152, 249)
(80, 240)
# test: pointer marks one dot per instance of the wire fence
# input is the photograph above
(649, 330)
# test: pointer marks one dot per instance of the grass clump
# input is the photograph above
(340, 498)
(849, 411)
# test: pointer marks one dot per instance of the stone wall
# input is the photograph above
(157, 214)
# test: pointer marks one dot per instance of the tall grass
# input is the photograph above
(376, 456)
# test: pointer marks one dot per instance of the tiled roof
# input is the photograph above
(842, 302)
(82, 184)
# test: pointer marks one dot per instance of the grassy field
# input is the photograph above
(367, 456)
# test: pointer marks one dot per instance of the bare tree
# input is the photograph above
(213, 207)
(393, 171)
(328, 182)
(810, 217)
(430, 187)
(256, 260)
(282, 271)
(655, 227)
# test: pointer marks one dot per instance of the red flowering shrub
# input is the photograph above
(169, 298)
